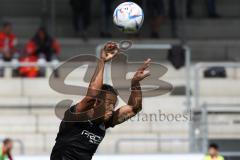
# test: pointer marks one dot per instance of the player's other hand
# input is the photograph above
(141, 72)
(109, 51)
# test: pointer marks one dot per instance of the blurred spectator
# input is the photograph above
(8, 42)
(42, 47)
(5, 149)
(106, 18)
(213, 153)
(81, 12)
(156, 13)
(211, 8)
(29, 72)
(43, 44)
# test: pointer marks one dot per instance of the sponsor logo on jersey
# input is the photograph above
(95, 139)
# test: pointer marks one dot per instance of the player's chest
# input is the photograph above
(93, 134)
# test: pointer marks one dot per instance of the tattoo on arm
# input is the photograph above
(135, 99)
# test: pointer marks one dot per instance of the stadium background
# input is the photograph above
(27, 104)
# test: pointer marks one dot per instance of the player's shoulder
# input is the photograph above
(208, 157)
(69, 113)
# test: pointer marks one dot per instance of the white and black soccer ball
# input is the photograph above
(128, 17)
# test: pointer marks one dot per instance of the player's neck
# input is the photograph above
(98, 121)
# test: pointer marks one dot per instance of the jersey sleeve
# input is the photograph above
(69, 114)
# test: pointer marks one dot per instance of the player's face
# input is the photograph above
(41, 35)
(9, 146)
(109, 105)
(212, 151)
(8, 29)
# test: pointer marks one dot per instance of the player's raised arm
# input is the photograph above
(135, 100)
(109, 51)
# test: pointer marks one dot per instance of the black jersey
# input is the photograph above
(78, 140)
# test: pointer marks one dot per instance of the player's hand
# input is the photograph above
(141, 72)
(109, 51)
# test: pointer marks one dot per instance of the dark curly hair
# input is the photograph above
(109, 88)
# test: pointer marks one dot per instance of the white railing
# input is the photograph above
(7, 67)
(144, 139)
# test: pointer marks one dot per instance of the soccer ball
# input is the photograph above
(128, 17)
